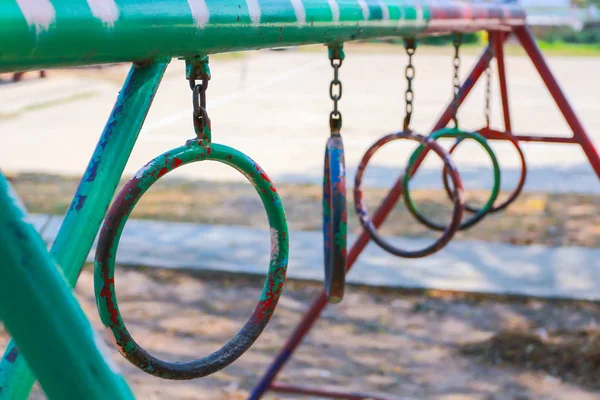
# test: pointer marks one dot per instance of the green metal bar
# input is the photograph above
(38, 308)
(52, 33)
(83, 219)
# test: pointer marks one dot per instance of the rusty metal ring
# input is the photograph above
(335, 218)
(362, 212)
(515, 193)
(104, 277)
(474, 219)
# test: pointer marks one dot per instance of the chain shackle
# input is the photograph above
(198, 68)
(456, 79)
(409, 74)
(336, 58)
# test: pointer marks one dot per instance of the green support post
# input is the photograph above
(52, 331)
(95, 191)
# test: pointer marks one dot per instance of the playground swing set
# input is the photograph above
(53, 341)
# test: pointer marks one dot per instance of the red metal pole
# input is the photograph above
(528, 42)
(499, 50)
(282, 388)
(379, 216)
(494, 134)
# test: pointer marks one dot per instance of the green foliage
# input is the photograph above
(443, 40)
(589, 36)
(468, 38)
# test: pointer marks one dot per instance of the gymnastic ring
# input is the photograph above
(335, 218)
(453, 133)
(104, 283)
(518, 189)
(363, 214)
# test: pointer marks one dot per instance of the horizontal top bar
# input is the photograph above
(51, 33)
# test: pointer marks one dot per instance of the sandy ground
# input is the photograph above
(402, 345)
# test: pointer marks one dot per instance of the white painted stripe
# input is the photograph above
(420, 12)
(105, 10)
(335, 10)
(151, 126)
(254, 10)
(419, 20)
(400, 21)
(299, 11)
(365, 9)
(38, 13)
(199, 12)
(385, 12)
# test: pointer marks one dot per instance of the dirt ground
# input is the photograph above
(432, 345)
(549, 219)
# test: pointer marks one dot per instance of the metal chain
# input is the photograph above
(409, 73)
(488, 93)
(336, 57)
(456, 79)
(198, 69)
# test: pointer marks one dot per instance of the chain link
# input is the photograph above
(488, 93)
(456, 79)
(336, 57)
(409, 74)
(198, 69)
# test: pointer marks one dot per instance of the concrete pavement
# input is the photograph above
(471, 266)
(274, 106)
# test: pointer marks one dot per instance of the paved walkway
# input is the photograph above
(274, 107)
(569, 272)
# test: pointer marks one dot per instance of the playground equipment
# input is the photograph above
(58, 343)
(195, 150)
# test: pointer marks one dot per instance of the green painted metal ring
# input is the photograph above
(104, 281)
(480, 214)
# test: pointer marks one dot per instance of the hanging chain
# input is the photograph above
(456, 80)
(336, 57)
(488, 93)
(409, 73)
(198, 69)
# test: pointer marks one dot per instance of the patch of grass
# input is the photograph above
(568, 49)
(551, 49)
(236, 55)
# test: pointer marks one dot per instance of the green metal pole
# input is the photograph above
(43, 33)
(60, 33)
(83, 219)
(38, 308)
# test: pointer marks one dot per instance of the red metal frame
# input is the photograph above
(282, 388)
(498, 44)
(497, 39)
